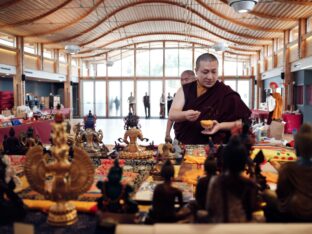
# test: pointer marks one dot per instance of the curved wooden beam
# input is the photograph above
(234, 21)
(159, 33)
(27, 21)
(67, 25)
(164, 19)
(9, 3)
(124, 7)
(267, 16)
(121, 47)
(296, 2)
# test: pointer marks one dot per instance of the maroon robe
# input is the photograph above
(219, 103)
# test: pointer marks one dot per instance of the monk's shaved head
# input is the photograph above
(187, 76)
(205, 57)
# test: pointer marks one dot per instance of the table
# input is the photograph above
(259, 114)
(64, 111)
(41, 128)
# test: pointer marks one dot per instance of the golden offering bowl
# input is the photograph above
(206, 123)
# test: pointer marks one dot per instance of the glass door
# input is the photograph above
(100, 98)
(88, 97)
(114, 99)
(156, 92)
(142, 88)
(127, 88)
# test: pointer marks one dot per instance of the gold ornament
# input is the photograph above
(58, 179)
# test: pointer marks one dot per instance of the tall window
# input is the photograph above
(114, 68)
(30, 48)
(156, 62)
(7, 40)
(101, 69)
(293, 36)
(84, 69)
(48, 53)
(127, 62)
(88, 97)
(142, 62)
(172, 62)
(230, 68)
(62, 57)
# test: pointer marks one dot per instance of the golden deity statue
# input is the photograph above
(133, 150)
(57, 178)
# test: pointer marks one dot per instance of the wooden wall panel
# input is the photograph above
(31, 62)
(63, 68)
(280, 59)
(309, 46)
(7, 57)
(294, 54)
(48, 66)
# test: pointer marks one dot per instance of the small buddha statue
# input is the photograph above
(115, 196)
(11, 206)
(12, 144)
(89, 121)
(164, 197)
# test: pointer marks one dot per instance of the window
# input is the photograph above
(88, 96)
(231, 83)
(84, 69)
(230, 68)
(101, 69)
(62, 57)
(48, 53)
(100, 98)
(74, 62)
(92, 70)
(156, 62)
(293, 36)
(7, 40)
(172, 62)
(115, 58)
(243, 87)
(280, 43)
(30, 48)
(142, 65)
(128, 62)
(309, 24)
(185, 60)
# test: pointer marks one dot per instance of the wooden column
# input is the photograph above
(18, 84)
(259, 81)
(41, 58)
(287, 100)
(265, 57)
(67, 85)
(222, 78)
(106, 78)
(274, 52)
(57, 61)
(302, 45)
(193, 56)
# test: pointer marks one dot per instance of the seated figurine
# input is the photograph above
(115, 196)
(12, 144)
(89, 121)
(11, 206)
(163, 204)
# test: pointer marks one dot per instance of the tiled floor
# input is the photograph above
(153, 129)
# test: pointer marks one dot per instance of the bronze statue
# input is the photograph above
(69, 179)
(133, 132)
(11, 206)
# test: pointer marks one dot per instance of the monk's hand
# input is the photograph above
(215, 128)
(191, 115)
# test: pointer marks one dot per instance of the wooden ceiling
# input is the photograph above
(99, 26)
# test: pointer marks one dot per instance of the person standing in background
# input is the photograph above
(162, 106)
(147, 105)
(169, 102)
(131, 101)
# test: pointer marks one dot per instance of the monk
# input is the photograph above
(277, 112)
(207, 98)
(187, 76)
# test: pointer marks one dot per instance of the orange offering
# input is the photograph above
(206, 123)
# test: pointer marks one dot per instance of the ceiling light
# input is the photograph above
(72, 49)
(110, 63)
(220, 46)
(242, 6)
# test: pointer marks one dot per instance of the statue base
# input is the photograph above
(62, 214)
(136, 155)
